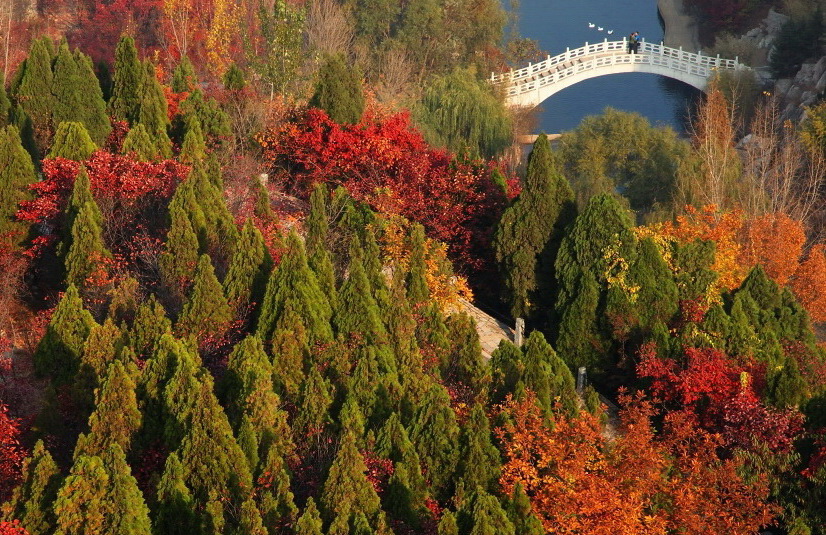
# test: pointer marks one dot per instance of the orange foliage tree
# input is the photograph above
(775, 241)
(640, 482)
(809, 283)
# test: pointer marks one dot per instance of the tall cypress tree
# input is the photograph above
(338, 91)
(5, 103)
(206, 312)
(347, 491)
(294, 284)
(528, 235)
(220, 232)
(593, 260)
(67, 87)
(34, 91)
(128, 511)
(153, 112)
(180, 256)
(482, 514)
(290, 350)
(175, 512)
(184, 77)
(193, 148)
(149, 325)
(16, 173)
(479, 461)
(417, 289)
(100, 350)
(138, 144)
(464, 362)
(318, 253)
(519, 512)
(116, 417)
(310, 521)
(435, 434)
(249, 268)
(71, 141)
(93, 110)
(87, 248)
(58, 353)
(357, 312)
(31, 502)
(313, 412)
(125, 103)
(80, 196)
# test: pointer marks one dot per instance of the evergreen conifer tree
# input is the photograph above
(294, 284)
(183, 77)
(67, 87)
(528, 235)
(599, 245)
(310, 521)
(435, 434)
(447, 525)
(31, 502)
(417, 289)
(33, 92)
(87, 249)
(234, 78)
(519, 512)
(93, 111)
(219, 232)
(180, 256)
(290, 349)
(153, 113)
(313, 412)
(128, 511)
(249, 268)
(71, 141)
(276, 502)
(16, 173)
(116, 418)
(482, 514)
(125, 102)
(5, 103)
(464, 362)
(206, 312)
(99, 351)
(657, 295)
(479, 461)
(58, 353)
(80, 196)
(347, 491)
(212, 459)
(318, 254)
(357, 311)
(138, 144)
(193, 148)
(149, 325)
(506, 370)
(338, 91)
(546, 375)
(174, 513)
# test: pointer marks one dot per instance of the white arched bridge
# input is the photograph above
(529, 86)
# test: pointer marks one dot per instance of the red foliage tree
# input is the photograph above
(12, 528)
(11, 452)
(385, 162)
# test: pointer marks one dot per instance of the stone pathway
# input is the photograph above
(491, 331)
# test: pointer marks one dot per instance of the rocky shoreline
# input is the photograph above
(679, 27)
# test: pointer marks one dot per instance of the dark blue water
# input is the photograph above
(557, 24)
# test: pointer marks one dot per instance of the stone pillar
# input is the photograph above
(519, 335)
(581, 379)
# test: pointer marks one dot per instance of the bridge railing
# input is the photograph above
(612, 48)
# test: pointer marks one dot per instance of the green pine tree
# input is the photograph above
(249, 268)
(318, 252)
(464, 362)
(294, 284)
(87, 249)
(313, 412)
(338, 91)
(435, 434)
(479, 461)
(657, 295)
(482, 514)
(290, 350)
(519, 512)
(71, 141)
(357, 312)
(16, 174)
(100, 350)
(5, 103)
(149, 325)
(193, 148)
(447, 525)
(347, 491)
(417, 289)
(31, 502)
(528, 235)
(153, 113)
(93, 111)
(180, 256)
(116, 418)
(33, 91)
(215, 122)
(59, 351)
(127, 509)
(276, 502)
(506, 370)
(138, 144)
(174, 512)
(184, 77)
(234, 78)
(310, 521)
(81, 195)
(206, 312)
(127, 85)
(67, 87)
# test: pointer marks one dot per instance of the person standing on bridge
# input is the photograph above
(634, 42)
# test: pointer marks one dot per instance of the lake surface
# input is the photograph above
(558, 24)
